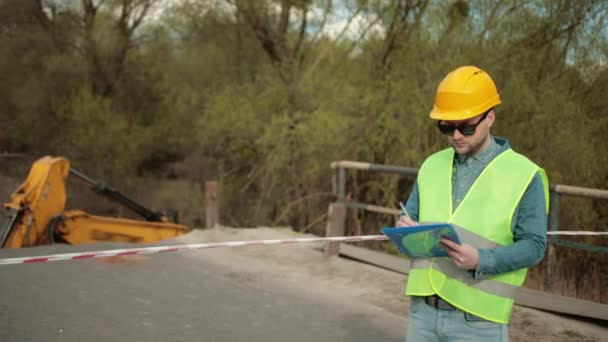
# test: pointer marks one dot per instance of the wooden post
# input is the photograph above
(335, 227)
(341, 184)
(212, 206)
(550, 264)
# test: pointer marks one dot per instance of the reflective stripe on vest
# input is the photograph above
(502, 184)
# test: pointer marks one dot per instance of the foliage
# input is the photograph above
(263, 95)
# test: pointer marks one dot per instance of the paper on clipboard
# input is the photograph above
(422, 241)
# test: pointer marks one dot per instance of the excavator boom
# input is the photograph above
(77, 227)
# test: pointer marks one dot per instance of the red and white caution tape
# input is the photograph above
(577, 233)
(175, 248)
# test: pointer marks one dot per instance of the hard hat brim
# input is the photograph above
(439, 114)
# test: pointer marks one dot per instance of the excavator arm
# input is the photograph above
(107, 191)
(77, 227)
(36, 213)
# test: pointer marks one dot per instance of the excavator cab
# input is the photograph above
(36, 213)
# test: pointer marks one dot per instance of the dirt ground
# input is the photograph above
(304, 263)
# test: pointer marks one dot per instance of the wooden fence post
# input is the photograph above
(335, 227)
(212, 206)
(550, 264)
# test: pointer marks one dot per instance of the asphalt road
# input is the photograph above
(175, 297)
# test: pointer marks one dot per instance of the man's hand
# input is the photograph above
(464, 256)
(405, 221)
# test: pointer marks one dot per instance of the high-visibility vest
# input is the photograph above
(483, 220)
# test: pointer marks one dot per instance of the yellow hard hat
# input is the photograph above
(464, 93)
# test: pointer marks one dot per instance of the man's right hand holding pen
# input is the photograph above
(405, 220)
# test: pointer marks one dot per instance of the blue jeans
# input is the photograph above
(430, 324)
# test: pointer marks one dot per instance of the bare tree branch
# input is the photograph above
(326, 12)
(489, 21)
(284, 17)
(297, 51)
(389, 41)
(399, 27)
(262, 32)
(326, 49)
(363, 34)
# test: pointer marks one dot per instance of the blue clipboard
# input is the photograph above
(421, 241)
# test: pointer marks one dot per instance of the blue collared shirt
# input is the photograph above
(529, 224)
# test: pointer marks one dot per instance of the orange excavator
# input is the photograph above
(36, 213)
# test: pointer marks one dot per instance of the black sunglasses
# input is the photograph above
(466, 129)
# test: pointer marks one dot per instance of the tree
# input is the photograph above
(103, 32)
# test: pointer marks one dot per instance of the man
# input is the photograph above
(496, 198)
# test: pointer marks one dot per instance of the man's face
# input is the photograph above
(470, 144)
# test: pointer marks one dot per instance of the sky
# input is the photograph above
(335, 23)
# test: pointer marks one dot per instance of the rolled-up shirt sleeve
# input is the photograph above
(412, 203)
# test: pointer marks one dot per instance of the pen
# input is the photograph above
(404, 210)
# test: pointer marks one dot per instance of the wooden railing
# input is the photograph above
(337, 210)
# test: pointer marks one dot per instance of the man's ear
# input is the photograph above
(490, 118)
